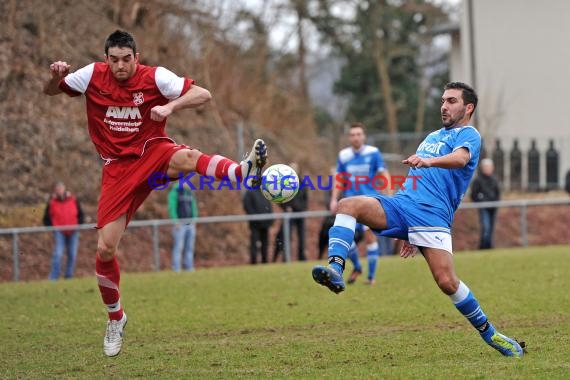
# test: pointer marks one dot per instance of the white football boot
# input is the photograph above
(252, 165)
(114, 336)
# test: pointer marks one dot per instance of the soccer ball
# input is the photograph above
(279, 183)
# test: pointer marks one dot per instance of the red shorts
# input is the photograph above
(124, 184)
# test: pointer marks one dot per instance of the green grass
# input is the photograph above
(274, 322)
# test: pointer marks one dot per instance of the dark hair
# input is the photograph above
(358, 125)
(469, 95)
(122, 39)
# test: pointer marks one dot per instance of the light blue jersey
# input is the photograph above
(366, 162)
(443, 189)
(422, 212)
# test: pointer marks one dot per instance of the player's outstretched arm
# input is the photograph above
(58, 69)
(194, 97)
(454, 160)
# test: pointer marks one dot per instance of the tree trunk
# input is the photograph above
(213, 106)
(303, 86)
(420, 111)
(386, 88)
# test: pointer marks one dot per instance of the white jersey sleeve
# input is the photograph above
(169, 84)
(79, 80)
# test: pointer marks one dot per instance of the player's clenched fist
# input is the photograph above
(159, 113)
(59, 69)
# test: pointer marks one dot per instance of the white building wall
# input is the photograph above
(522, 67)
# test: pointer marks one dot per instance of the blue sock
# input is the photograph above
(341, 236)
(372, 255)
(468, 305)
(353, 256)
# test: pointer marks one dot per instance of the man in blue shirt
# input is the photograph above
(361, 171)
(422, 212)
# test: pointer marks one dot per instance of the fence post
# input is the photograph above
(524, 226)
(516, 167)
(241, 150)
(155, 249)
(552, 164)
(533, 161)
(499, 161)
(287, 236)
(15, 257)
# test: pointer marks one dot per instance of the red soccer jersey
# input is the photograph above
(118, 113)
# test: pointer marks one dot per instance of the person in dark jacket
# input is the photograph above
(255, 203)
(299, 203)
(63, 209)
(485, 188)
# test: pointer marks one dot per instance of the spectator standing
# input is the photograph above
(486, 188)
(182, 205)
(63, 209)
(255, 203)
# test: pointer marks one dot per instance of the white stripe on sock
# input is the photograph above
(105, 282)
(346, 221)
(372, 246)
(211, 170)
(461, 293)
(478, 310)
(114, 307)
(232, 172)
(339, 241)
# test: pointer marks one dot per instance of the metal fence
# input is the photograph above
(522, 205)
(156, 223)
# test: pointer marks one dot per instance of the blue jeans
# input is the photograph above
(64, 242)
(184, 238)
(487, 218)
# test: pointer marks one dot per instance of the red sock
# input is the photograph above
(108, 278)
(218, 167)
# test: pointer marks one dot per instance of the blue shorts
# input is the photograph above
(419, 224)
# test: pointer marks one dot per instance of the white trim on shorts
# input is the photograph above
(431, 237)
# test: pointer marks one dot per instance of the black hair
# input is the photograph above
(468, 94)
(122, 39)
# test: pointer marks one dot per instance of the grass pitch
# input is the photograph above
(273, 321)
